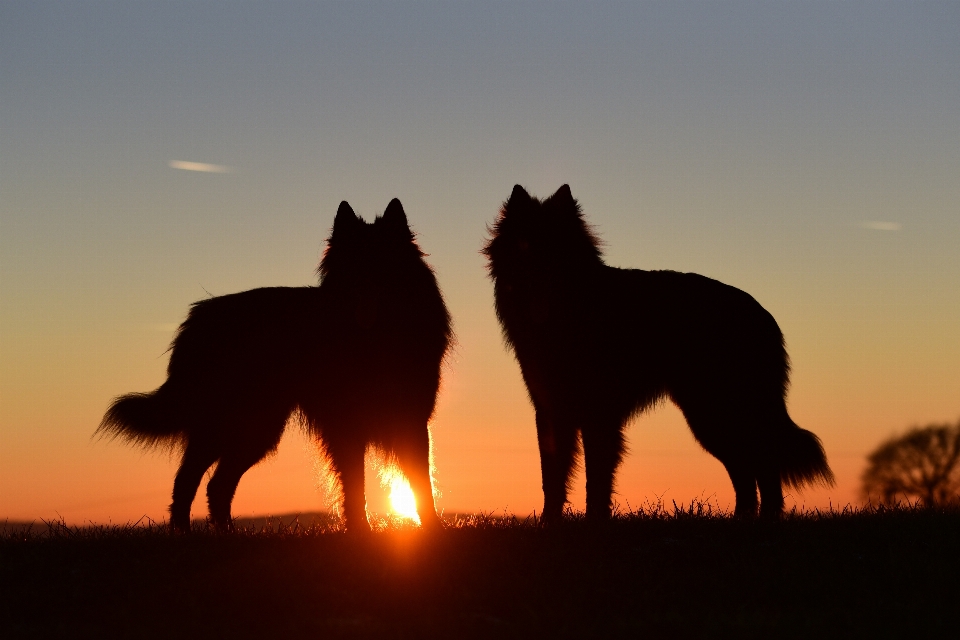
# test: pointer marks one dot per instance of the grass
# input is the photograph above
(655, 572)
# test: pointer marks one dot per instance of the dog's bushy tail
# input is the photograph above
(802, 459)
(142, 419)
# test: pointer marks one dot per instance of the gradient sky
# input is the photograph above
(808, 153)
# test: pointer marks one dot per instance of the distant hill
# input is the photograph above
(15, 525)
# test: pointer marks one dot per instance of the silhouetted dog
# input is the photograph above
(597, 345)
(359, 356)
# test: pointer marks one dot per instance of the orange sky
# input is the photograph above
(808, 154)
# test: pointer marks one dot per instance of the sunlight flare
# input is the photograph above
(403, 503)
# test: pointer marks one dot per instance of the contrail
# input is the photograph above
(876, 225)
(199, 166)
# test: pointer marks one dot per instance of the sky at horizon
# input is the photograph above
(807, 153)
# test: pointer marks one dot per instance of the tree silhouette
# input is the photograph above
(923, 464)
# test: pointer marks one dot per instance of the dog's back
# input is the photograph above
(705, 329)
(247, 342)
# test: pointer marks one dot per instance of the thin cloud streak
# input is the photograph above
(186, 165)
(876, 225)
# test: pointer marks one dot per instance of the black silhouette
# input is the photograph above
(359, 357)
(597, 345)
(923, 464)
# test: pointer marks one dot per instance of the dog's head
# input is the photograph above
(540, 235)
(369, 249)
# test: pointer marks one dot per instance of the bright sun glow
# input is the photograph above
(402, 501)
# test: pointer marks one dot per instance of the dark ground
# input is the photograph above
(886, 574)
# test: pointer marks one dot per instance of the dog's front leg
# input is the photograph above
(558, 449)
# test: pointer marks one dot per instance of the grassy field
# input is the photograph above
(654, 573)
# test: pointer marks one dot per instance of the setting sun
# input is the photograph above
(402, 501)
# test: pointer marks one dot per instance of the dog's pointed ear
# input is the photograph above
(563, 201)
(394, 216)
(346, 221)
(518, 204)
(563, 194)
(518, 195)
(395, 220)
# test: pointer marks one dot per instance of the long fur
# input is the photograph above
(358, 358)
(597, 344)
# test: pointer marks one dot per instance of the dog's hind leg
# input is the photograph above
(722, 435)
(243, 454)
(771, 494)
(744, 486)
(558, 453)
(198, 457)
(602, 453)
(223, 486)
